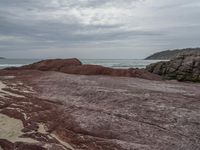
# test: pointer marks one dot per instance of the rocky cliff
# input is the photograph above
(184, 67)
(170, 54)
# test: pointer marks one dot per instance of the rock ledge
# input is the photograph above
(184, 67)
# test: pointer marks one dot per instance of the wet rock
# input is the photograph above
(185, 67)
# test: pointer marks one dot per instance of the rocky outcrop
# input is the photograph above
(184, 67)
(53, 64)
(74, 66)
(48, 110)
(170, 54)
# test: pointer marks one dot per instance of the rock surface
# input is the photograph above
(185, 67)
(74, 66)
(59, 111)
(53, 64)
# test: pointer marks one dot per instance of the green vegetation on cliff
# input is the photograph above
(169, 54)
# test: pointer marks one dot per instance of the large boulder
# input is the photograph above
(184, 67)
(74, 66)
(53, 64)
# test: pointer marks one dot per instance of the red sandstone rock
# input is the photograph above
(74, 66)
(53, 64)
(100, 113)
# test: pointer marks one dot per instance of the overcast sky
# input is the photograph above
(97, 28)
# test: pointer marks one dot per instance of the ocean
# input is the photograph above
(113, 63)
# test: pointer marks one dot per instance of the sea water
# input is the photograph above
(120, 63)
(15, 62)
(113, 63)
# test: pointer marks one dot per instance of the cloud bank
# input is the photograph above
(96, 28)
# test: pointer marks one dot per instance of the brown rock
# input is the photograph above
(53, 64)
(74, 66)
(100, 112)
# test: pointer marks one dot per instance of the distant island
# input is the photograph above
(2, 58)
(169, 54)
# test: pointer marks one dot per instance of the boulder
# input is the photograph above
(53, 64)
(184, 67)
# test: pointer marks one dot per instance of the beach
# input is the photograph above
(99, 75)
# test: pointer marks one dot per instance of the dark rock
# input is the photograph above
(6, 145)
(26, 146)
(184, 67)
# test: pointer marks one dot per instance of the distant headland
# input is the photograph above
(2, 58)
(169, 54)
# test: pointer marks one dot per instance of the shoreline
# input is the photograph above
(113, 63)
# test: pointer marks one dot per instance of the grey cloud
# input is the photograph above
(139, 26)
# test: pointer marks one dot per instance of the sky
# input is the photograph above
(126, 29)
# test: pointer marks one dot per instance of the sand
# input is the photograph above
(10, 127)
(65, 144)
(42, 129)
(4, 93)
(11, 130)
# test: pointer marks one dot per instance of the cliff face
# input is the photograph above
(184, 67)
(170, 54)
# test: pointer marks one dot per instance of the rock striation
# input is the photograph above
(48, 110)
(74, 66)
(184, 67)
